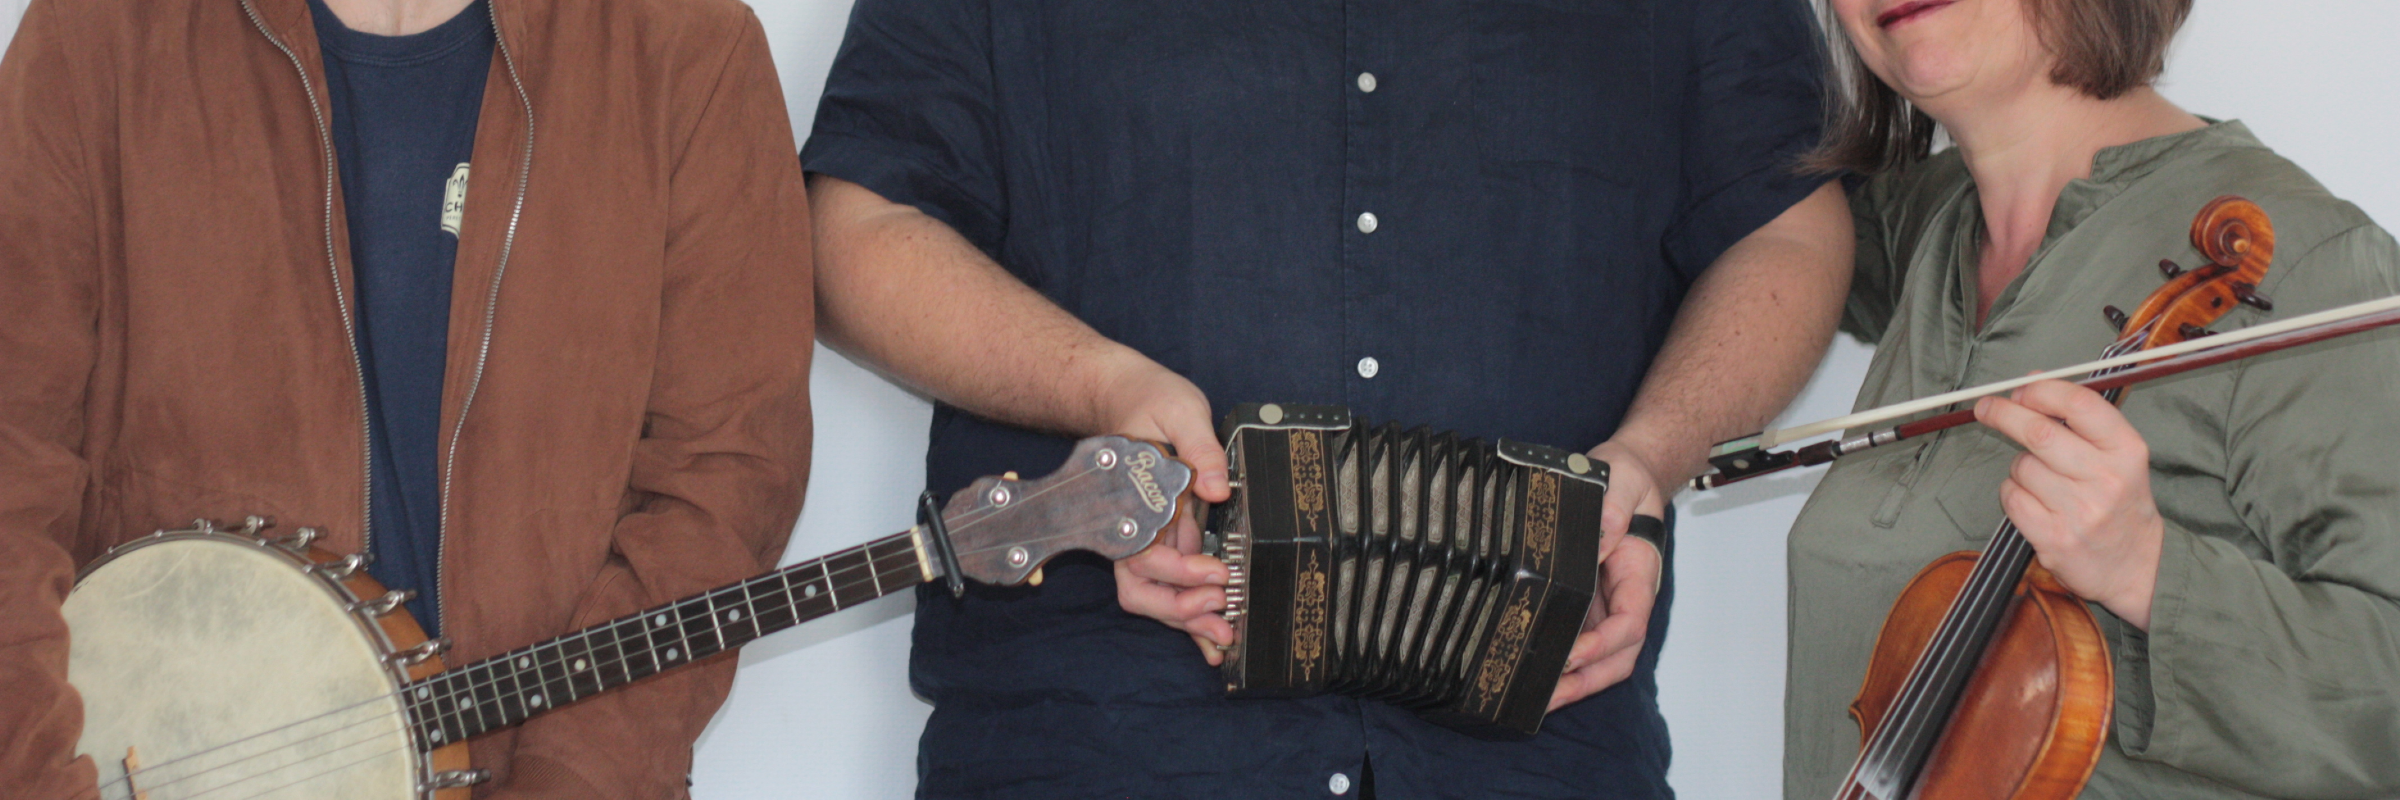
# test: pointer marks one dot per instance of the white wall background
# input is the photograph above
(825, 711)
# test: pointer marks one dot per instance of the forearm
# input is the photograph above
(1750, 332)
(906, 293)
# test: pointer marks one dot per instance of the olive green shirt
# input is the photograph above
(2272, 663)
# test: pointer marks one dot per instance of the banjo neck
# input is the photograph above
(507, 689)
(1111, 498)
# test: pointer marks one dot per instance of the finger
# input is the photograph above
(1183, 533)
(1209, 650)
(2039, 434)
(1191, 610)
(1631, 589)
(1195, 442)
(2054, 489)
(2087, 412)
(2033, 519)
(1162, 563)
(1202, 614)
(1591, 680)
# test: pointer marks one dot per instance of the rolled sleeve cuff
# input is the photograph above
(890, 170)
(2147, 686)
(1739, 209)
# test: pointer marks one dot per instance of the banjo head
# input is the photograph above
(233, 674)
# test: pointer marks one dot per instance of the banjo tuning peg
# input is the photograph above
(2169, 267)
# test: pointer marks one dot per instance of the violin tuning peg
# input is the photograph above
(2169, 267)
(2116, 316)
(2248, 294)
(2191, 331)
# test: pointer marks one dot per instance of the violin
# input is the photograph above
(1989, 679)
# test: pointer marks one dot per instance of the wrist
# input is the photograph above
(2133, 600)
(1671, 463)
(1116, 381)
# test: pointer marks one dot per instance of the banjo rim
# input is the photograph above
(386, 634)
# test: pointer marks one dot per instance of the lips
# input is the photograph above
(1909, 10)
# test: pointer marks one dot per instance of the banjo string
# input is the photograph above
(848, 581)
(337, 768)
(155, 794)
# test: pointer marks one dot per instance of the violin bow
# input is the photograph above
(1751, 456)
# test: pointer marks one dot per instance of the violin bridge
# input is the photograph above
(133, 764)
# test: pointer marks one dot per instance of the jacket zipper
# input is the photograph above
(349, 330)
(341, 301)
(491, 313)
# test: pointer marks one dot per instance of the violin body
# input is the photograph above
(1989, 679)
(2030, 724)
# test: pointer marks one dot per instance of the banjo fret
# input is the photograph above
(507, 689)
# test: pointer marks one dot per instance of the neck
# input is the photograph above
(395, 17)
(2024, 150)
(505, 690)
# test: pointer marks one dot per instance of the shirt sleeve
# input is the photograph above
(2273, 657)
(1751, 108)
(909, 112)
(54, 114)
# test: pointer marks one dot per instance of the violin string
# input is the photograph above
(875, 579)
(1927, 673)
(886, 575)
(1915, 711)
(1918, 709)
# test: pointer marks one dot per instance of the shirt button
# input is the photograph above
(1366, 81)
(1366, 222)
(1339, 783)
(1367, 367)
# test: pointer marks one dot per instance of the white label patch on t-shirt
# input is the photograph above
(454, 200)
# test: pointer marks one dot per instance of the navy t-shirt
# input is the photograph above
(404, 110)
(1478, 216)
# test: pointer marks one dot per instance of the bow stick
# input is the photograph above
(1749, 457)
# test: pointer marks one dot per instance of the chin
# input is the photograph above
(1927, 72)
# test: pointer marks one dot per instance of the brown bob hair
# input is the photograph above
(2105, 48)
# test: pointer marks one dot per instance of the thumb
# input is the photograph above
(1195, 442)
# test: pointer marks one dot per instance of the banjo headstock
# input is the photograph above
(1111, 497)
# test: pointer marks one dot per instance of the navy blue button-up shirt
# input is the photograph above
(1545, 178)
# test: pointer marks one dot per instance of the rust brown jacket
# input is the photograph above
(625, 419)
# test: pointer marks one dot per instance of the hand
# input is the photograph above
(2081, 493)
(1170, 581)
(1619, 620)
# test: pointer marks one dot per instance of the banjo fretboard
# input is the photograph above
(507, 689)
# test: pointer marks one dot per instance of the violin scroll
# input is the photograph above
(2239, 242)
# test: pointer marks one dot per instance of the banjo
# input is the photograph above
(168, 630)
